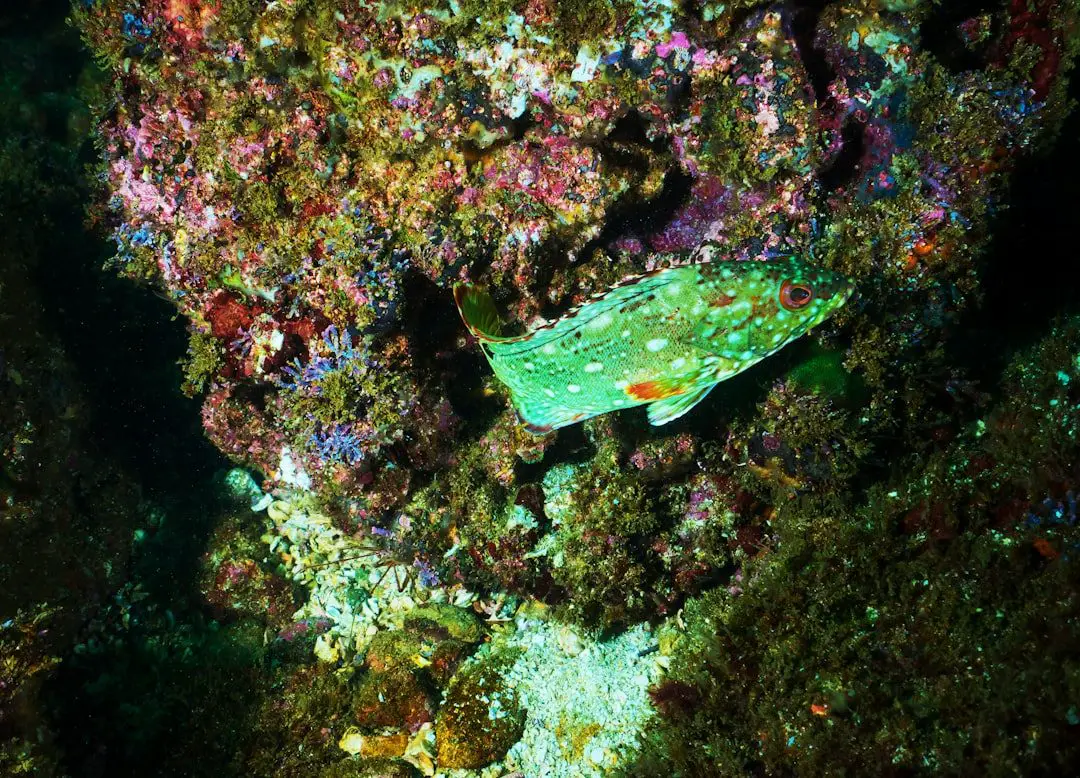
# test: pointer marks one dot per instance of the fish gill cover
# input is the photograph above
(308, 180)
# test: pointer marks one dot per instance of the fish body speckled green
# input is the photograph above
(664, 338)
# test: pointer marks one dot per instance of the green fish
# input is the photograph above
(663, 338)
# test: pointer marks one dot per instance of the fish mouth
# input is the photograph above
(847, 291)
(841, 290)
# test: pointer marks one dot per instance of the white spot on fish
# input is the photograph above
(678, 364)
(548, 348)
(656, 344)
(746, 355)
(549, 393)
(601, 321)
(573, 388)
(528, 366)
(593, 367)
(626, 333)
(734, 337)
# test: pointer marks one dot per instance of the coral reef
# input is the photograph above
(306, 181)
(856, 556)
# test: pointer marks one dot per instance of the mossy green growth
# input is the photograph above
(573, 21)
(601, 552)
(799, 441)
(235, 17)
(392, 698)
(855, 651)
(21, 756)
(288, 736)
(892, 632)
(480, 718)
(443, 620)
(205, 357)
(477, 502)
(392, 650)
(258, 202)
(1039, 417)
(339, 400)
(577, 21)
(728, 140)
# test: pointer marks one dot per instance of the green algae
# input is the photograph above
(893, 632)
(204, 358)
(600, 552)
(442, 620)
(392, 650)
(369, 768)
(578, 21)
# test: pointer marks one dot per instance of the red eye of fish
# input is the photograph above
(795, 296)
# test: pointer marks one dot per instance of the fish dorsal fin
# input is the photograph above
(626, 291)
(670, 408)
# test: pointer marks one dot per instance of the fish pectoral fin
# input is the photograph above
(670, 408)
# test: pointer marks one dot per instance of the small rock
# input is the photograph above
(394, 698)
(481, 717)
(440, 621)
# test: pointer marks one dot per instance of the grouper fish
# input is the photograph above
(663, 339)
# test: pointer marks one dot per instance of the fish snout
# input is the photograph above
(836, 289)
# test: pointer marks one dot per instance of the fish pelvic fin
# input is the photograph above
(478, 311)
(670, 408)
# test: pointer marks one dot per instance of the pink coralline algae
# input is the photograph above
(305, 182)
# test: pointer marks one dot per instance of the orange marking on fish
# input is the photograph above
(722, 301)
(653, 390)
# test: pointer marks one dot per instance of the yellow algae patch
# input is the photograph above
(574, 736)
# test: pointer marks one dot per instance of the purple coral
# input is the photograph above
(341, 357)
(339, 443)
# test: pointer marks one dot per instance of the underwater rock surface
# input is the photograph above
(858, 555)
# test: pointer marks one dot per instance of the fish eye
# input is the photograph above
(794, 296)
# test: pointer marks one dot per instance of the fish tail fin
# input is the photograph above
(477, 310)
